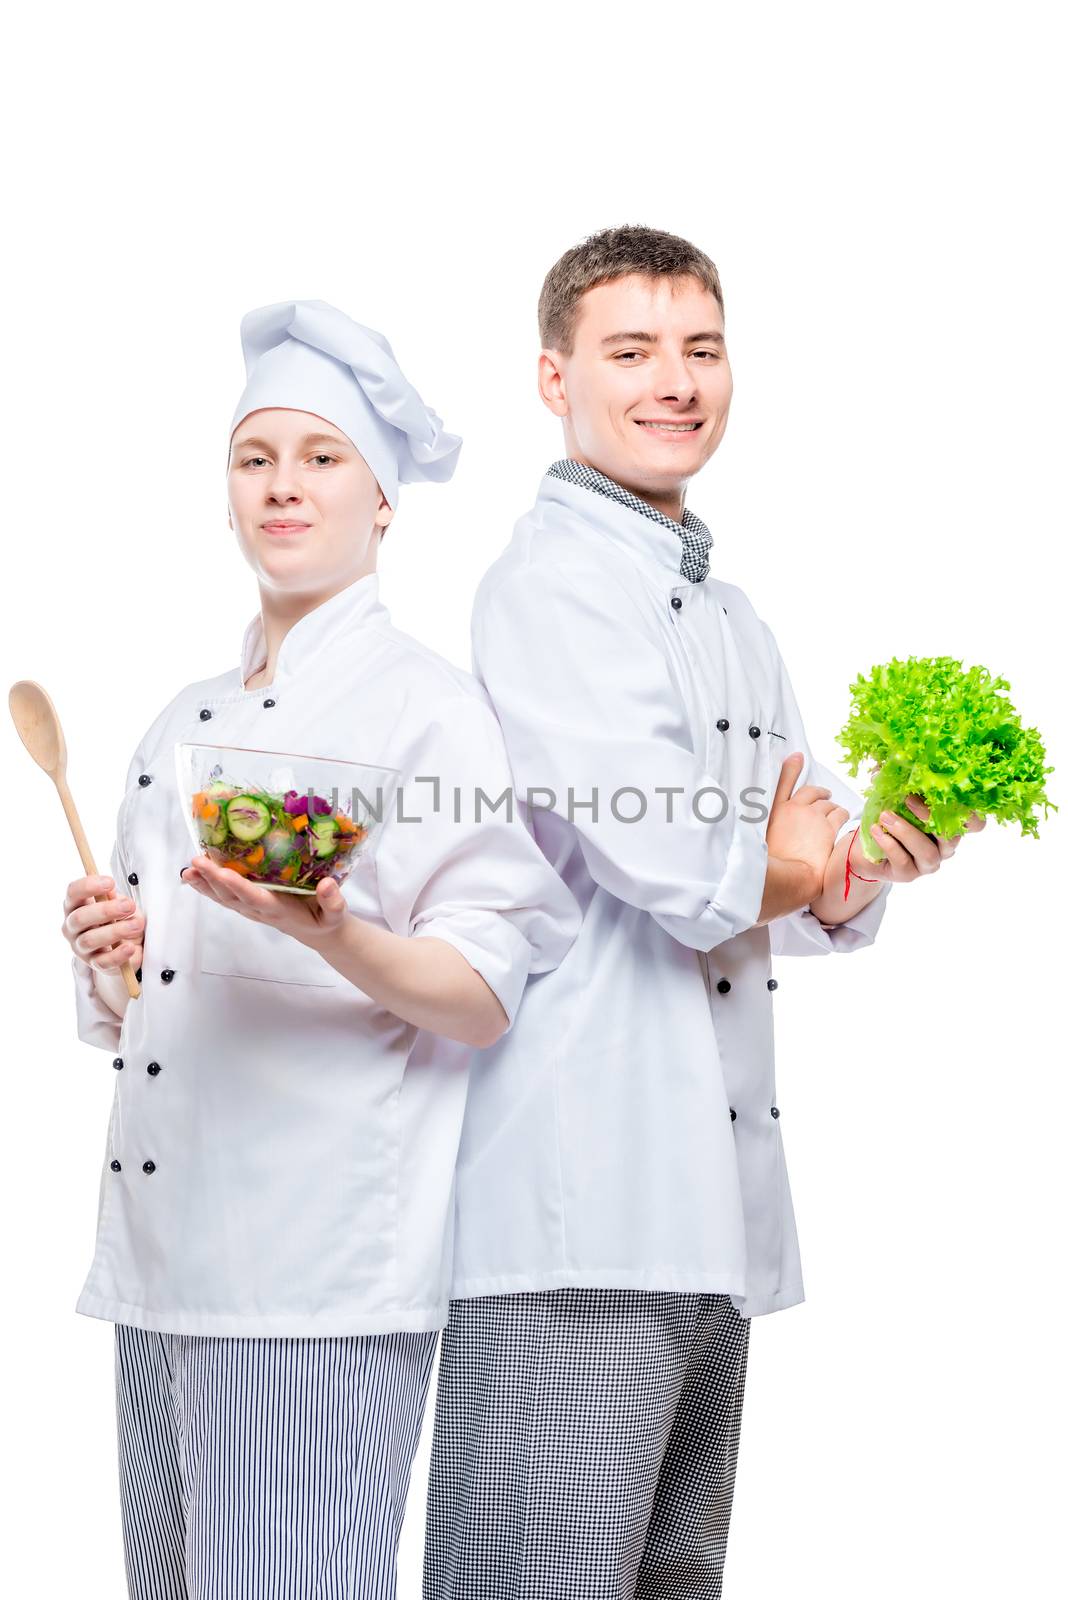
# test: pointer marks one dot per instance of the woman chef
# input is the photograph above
(274, 1237)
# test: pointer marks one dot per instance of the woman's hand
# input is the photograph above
(101, 929)
(305, 919)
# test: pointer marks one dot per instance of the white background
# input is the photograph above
(882, 191)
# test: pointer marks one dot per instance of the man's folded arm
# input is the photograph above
(591, 712)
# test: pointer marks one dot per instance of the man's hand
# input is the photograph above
(800, 835)
(802, 826)
(909, 852)
(306, 919)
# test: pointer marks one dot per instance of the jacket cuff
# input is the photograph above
(801, 933)
(96, 1022)
(741, 889)
(491, 945)
(735, 905)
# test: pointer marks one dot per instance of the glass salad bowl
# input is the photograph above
(284, 821)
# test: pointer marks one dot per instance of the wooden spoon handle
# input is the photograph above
(133, 988)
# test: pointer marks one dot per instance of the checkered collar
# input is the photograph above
(693, 534)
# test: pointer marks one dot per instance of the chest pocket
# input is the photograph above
(232, 946)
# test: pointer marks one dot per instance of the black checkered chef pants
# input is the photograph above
(585, 1444)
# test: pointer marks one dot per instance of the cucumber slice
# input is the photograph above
(215, 833)
(323, 837)
(248, 818)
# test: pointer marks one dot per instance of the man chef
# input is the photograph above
(623, 1203)
(275, 1219)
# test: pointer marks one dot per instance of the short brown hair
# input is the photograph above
(615, 253)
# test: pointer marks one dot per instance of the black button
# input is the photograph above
(154, 1069)
(722, 724)
(775, 1111)
(131, 877)
(148, 1166)
(773, 983)
(676, 602)
(137, 974)
(734, 1115)
(754, 733)
(167, 974)
(117, 1063)
(267, 704)
(144, 780)
(116, 1166)
(205, 716)
(724, 986)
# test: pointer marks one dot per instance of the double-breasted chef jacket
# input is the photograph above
(281, 1151)
(626, 1133)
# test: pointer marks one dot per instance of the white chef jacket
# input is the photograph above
(626, 1132)
(283, 1145)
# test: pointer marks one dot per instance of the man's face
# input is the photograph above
(306, 508)
(645, 393)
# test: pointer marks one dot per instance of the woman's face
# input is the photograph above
(306, 507)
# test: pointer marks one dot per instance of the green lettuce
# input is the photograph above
(948, 736)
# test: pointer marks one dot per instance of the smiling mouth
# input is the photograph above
(670, 427)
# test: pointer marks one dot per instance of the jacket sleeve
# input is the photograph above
(96, 1022)
(588, 706)
(463, 869)
(801, 933)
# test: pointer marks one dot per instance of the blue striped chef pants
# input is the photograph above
(266, 1468)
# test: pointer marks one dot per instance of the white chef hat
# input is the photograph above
(305, 355)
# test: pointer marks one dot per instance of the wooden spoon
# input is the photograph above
(37, 722)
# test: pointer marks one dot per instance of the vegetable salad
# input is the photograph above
(284, 841)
